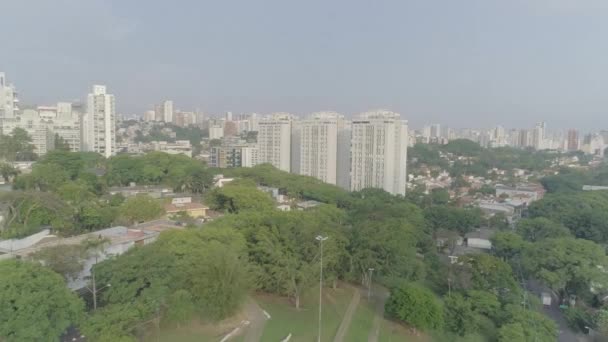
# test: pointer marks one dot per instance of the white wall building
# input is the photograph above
(274, 141)
(249, 156)
(99, 123)
(8, 102)
(216, 132)
(39, 130)
(319, 146)
(379, 152)
(168, 111)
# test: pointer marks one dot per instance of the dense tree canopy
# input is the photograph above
(584, 213)
(16, 146)
(416, 306)
(35, 304)
(566, 265)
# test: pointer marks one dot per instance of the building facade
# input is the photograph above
(274, 141)
(379, 152)
(319, 146)
(99, 123)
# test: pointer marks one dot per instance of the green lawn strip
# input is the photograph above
(303, 323)
(361, 323)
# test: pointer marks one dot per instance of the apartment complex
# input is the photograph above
(320, 147)
(99, 123)
(274, 141)
(379, 152)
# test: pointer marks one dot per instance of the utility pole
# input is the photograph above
(369, 287)
(320, 239)
(95, 290)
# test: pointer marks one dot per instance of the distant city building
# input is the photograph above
(40, 131)
(168, 111)
(249, 156)
(274, 141)
(8, 99)
(149, 116)
(178, 147)
(230, 128)
(379, 152)
(99, 122)
(216, 132)
(573, 143)
(319, 147)
(184, 119)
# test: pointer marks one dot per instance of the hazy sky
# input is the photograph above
(458, 62)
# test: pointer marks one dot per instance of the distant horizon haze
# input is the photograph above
(471, 63)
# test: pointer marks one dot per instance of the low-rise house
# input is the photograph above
(534, 192)
(594, 187)
(305, 205)
(479, 238)
(284, 207)
(219, 181)
(154, 191)
(185, 205)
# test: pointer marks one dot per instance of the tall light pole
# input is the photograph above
(95, 290)
(369, 287)
(320, 239)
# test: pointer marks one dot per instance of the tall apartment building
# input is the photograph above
(379, 152)
(572, 143)
(320, 146)
(39, 130)
(538, 136)
(64, 122)
(99, 123)
(8, 102)
(168, 111)
(274, 141)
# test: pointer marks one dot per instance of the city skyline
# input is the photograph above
(463, 63)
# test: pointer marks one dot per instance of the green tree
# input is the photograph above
(415, 305)
(511, 332)
(67, 260)
(485, 303)
(507, 245)
(601, 321)
(61, 144)
(35, 304)
(540, 228)
(534, 325)
(236, 197)
(459, 315)
(180, 307)
(566, 265)
(17, 146)
(8, 171)
(140, 208)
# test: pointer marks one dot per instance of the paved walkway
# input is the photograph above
(348, 316)
(379, 297)
(257, 320)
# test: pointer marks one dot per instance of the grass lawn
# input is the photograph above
(197, 331)
(303, 323)
(362, 322)
(393, 332)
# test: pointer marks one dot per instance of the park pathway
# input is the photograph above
(380, 296)
(257, 320)
(348, 316)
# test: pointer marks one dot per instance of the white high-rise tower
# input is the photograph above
(168, 111)
(8, 101)
(99, 123)
(319, 146)
(379, 152)
(274, 141)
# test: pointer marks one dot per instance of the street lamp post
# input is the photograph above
(369, 287)
(95, 290)
(320, 239)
